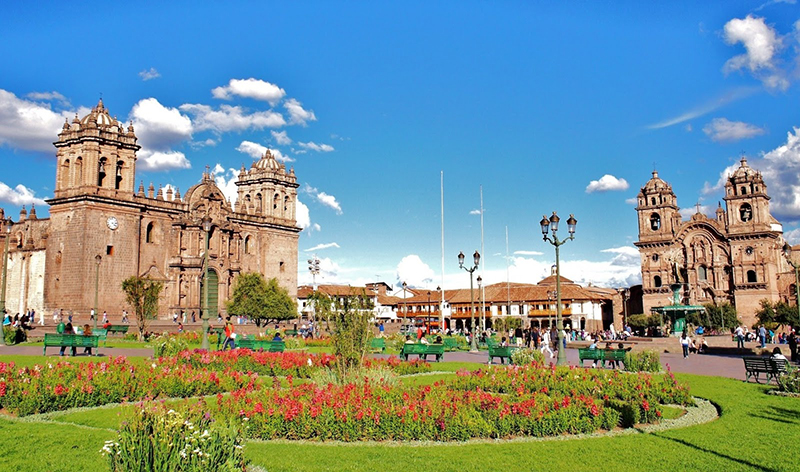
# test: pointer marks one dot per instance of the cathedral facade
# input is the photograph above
(735, 257)
(102, 230)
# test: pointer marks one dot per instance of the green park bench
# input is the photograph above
(377, 344)
(502, 352)
(101, 333)
(450, 344)
(121, 329)
(261, 344)
(69, 340)
(756, 365)
(422, 351)
(290, 332)
(601, 355)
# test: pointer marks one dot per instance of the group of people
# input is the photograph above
(692, 346)
(69, 329)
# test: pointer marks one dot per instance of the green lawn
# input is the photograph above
(756, 432)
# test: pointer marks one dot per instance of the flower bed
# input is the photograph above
(399, 367)
(41, 389)
(296, 364)
(500, 403)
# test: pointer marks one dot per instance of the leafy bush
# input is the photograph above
(154, 439)
(168, 345)
(526, 356)
(790, 382)
(644, 361)
(381, 375)
(14, 335)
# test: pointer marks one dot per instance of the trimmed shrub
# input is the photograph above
(526, 356)
(644, 361)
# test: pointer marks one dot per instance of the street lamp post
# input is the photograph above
(313, 267)
(787, 252)
(405, 310)
(551, 225)
(476, 259)
(481, 321)
(7, 227)
(204, 316)
(97, 259)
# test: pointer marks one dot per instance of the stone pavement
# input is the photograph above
(702, 364)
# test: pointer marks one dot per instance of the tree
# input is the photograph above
(774, 315)
(261, 301)
(351, 335)
(142, 294)
(715, 316)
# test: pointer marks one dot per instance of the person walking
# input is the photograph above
(739, 333)
(685, 342)
(793, 345)
(762, 334)
(545, 344)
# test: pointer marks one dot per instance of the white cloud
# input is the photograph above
(49, 96)
(226, 181)
(149, 74)
(158, 127)
(762, 45)
(19, 195)
(250, 88)
(28, 125)
(281, 137)
(316, 147)
(781, 171)
(687, 213)
(607, 183)
(723, 130)
(303, 216)
(728, 97)
(792, 237)
(528, 253)
(320, 247)
(231, 118)
(414, 272)
(475, 212)
(161, 160)
(329, 201)
(257, 151)
(297, 114)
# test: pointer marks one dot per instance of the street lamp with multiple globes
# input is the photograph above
(97, 259)
(551, 225)
(7, 225)
(313, 267)
(787, 252)
(206, 221)
(476, 259)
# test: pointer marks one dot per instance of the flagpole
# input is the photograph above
(441, 304)
(483, 269)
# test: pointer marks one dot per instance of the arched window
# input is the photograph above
(655, 222)
(259, 204)
(751, 276)
(118, 176)
(702, 273)
(101, 171)
(65, 174)
(653, 201)
(275, 200)
(247, 243)
(744, 190)
(148, 234)
(745, 212)
(77, 176)
(657, 281)
(285, 204)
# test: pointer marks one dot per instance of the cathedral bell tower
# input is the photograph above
(657, 211)
(746, 201)
(95, 152)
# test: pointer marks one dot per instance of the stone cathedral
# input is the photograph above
(103, 230)
(735, 257)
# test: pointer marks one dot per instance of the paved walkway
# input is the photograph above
(702, 364)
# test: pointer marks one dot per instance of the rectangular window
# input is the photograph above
(109, 250)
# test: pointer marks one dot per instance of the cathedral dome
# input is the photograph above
(99, 116)
(268, 162)
(745, 172)
(655, 184)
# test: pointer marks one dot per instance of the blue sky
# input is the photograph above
(563, 107)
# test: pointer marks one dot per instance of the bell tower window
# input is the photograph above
(101, 171)
(118, 176)
(657, 281)
(655, 222)
(148, 238)
(745, 212)
(751, 276)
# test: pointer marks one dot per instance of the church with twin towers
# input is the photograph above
(104, 227)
